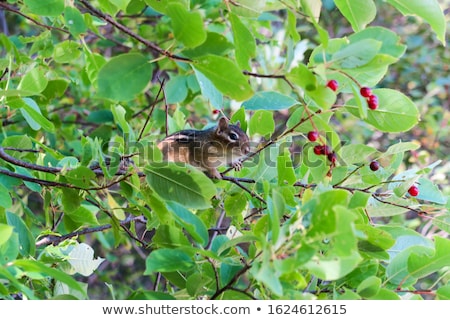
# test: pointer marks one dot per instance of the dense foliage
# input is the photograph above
(343, 196)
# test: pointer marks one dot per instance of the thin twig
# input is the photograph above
(151, 110)
(268, 76)
(217, 228)
(240, 185)
(230, 283)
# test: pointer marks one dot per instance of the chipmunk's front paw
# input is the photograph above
(237, 165)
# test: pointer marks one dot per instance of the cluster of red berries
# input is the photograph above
(372, 99)
(321, 149)
(326, 151)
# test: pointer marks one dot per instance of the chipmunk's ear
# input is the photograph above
(223, 124)
(238, 123)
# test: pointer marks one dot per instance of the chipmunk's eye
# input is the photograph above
(233, 136)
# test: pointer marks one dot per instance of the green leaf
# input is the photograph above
(312, 9)
(33, 81)
(54, 89)
(244, 42)
(406, 242)
(83, 215)
(390, 41)
(262, 123)
(5, 198)
(190, 222)
(27, 244)
(94, 62)
(162, 5)
(124, 76)
(377, 238)
(305, 79)
(442, 222)
(291, 26)
(66, 51)
(187, 26)
(45, 7)
(74, 21)
(333, 268)
(80, 177)
(356, 153)
(323, 213)
(286, 174)
(443, 293)
(269, 100)
(36, 266)
(181, 183)
(429, 10)
(176, 89)
(357, 54)
(379, 209)
(358, 12)
(209, 90)
(276, 207)
(32, 114)
(420, 265)
(215, 43)
(9, 250)
(234, 242)
(121, 4)
(235, 84)
(385, 294)
(81, 259)
(167, 260)
(70, 199)
(430, 192)
(396, 112)
(100, 116)
(5, 233)
(268, 275)
(249, 8)
(342, 256)
(235, 204)
(369, 287)
(401, 147)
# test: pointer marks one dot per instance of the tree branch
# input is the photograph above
(55, 240)
(132, 34)
(7, 7)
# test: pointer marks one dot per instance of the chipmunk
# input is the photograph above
(208, 149)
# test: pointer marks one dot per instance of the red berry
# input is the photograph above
(374, 165)
(333, 85)
(319, 150)
(332, 157)
(216, 111)
(326, 150)
(313, 135)
(372, 102)
(413, 191)
(365, 92)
